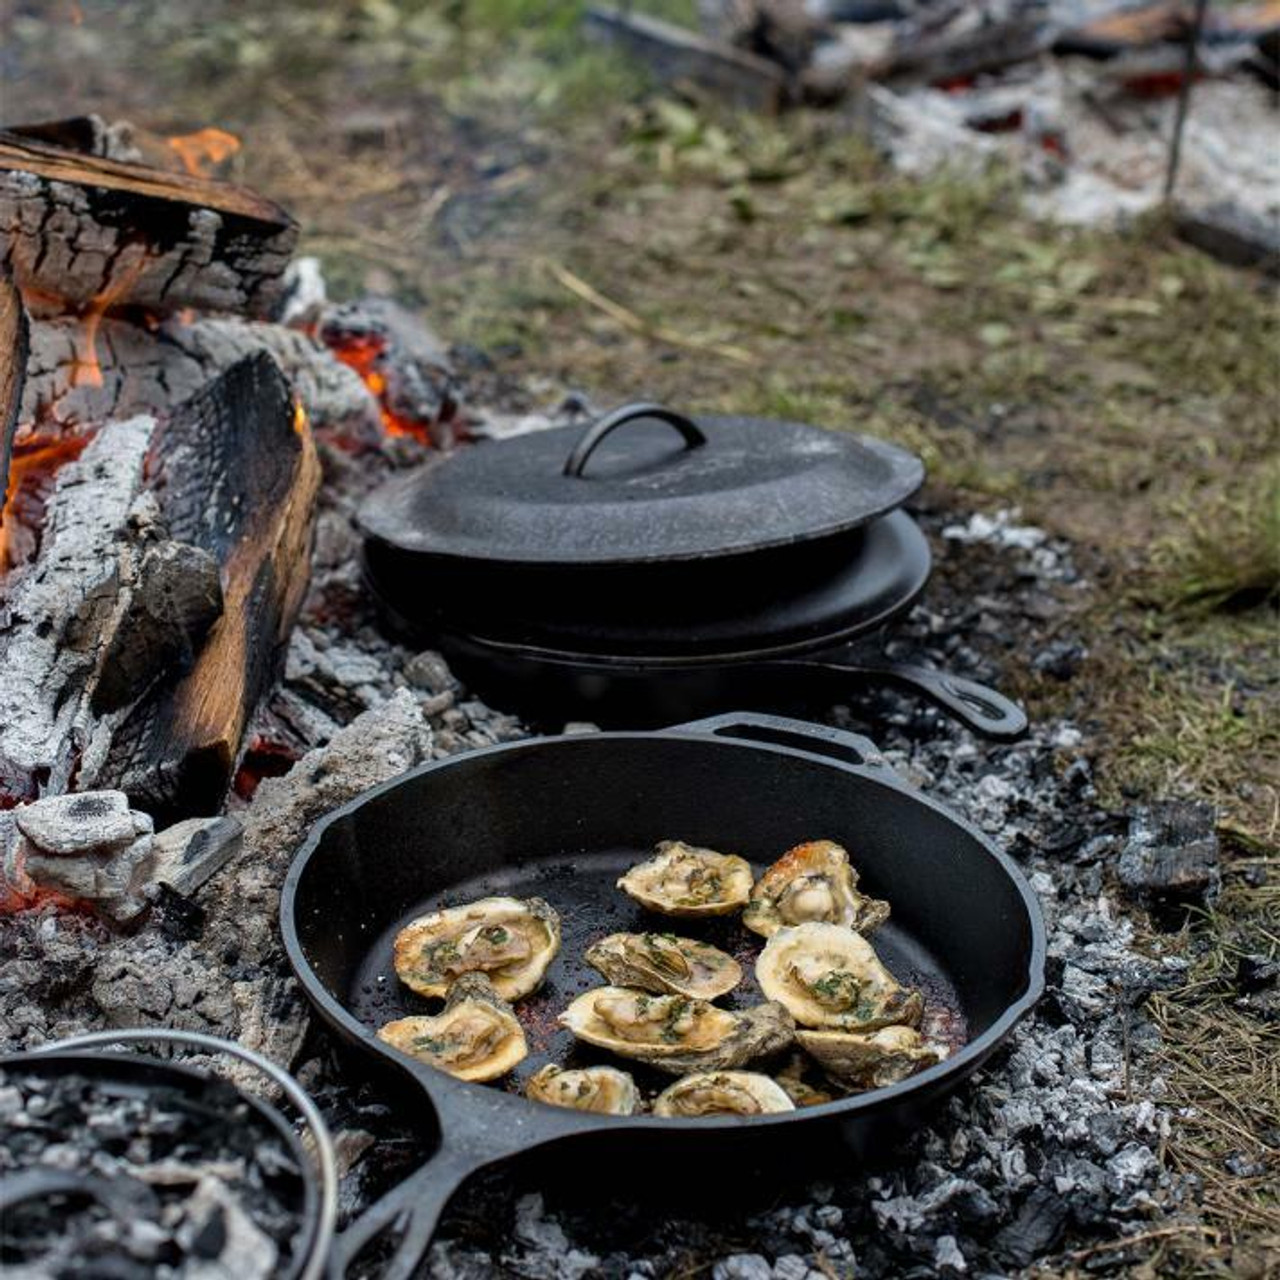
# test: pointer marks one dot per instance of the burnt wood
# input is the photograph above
(14, 345)
(677, 56)
(89, 231)
(236, 476)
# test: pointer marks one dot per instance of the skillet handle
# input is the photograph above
(981, 708)
(597, 431)
(783, 731)
(475, 1137)
(413, 1208)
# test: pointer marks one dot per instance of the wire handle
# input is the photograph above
(326, 1158)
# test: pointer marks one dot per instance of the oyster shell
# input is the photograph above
(677, 1033)
(831, 978)
(475, 1037)
(605, 1090)
(722, 1093)
(662, 962)
(812, 882)
(509, 939)
(794, 1078)
(873, 1059)
(683, 880)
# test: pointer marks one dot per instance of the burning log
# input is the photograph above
(14, 347)
(175, 558)
(129, 369)
(63, 612)
(84, 228)
(237, 476)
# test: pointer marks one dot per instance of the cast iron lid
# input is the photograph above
(666, 488)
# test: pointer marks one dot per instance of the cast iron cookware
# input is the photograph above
(642, 631)
(729, 487)
(562, 818)
(131, 1075)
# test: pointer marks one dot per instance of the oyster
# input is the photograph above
(722, 1093)
(813, 881)
(683, 880)
(602, 1089)
(677, 1033)
(475, 1037)
(793, 1077)
(831, 978)
(874, 1059)
(661, 962)
(509, 939)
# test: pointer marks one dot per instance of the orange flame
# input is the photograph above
(202, 151)
(34, 463)
(86, 369)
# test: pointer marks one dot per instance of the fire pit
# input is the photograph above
(218, 682)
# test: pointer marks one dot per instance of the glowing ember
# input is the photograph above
(202, 151)
(32, 470)
(366, 355)
(19, 892)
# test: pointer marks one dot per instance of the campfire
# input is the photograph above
(260, 595)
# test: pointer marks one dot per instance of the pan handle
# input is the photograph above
(474, 1138)
(597, 431)
(783, 731)
(981, 708)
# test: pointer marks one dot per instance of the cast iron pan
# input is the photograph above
(81, 1056)
(561, 818)
(804, 651)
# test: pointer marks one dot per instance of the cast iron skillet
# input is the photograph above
(803, 651)
(799, 653)
(561, 818)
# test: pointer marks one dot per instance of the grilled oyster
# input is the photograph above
(874, 1059)
(793, 1077)
(509, 939)
(722, 1093)
(812, 882)
(601, 1089)
(677, 1033)
(683, 880)
(475, 1037)
(662, 963)
(830, 977)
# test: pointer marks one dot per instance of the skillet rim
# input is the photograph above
(439, 1086)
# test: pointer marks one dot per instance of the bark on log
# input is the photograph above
(237, 477)
(94, 232)
(14, 345)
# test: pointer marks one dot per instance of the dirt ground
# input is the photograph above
(578, 231)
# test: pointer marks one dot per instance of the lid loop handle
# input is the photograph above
(597, 431)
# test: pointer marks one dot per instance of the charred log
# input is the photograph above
(236, 476)
(14, 344)
(62, 614)
(139, 370)
(89, 231)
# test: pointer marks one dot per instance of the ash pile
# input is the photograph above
(1080, 100)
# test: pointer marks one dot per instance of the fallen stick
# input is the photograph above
(629, 319)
